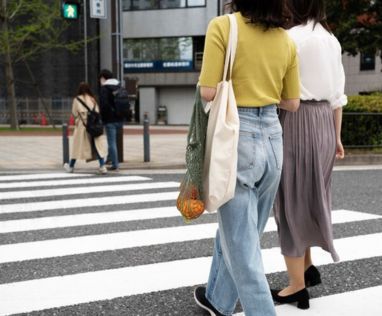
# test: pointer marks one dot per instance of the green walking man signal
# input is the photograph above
(70, 10)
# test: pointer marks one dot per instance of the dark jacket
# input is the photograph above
(106, 101)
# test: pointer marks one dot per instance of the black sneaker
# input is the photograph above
(200, 299)
(113, 168)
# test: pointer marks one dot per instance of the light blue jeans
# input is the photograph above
(237, 270)
(111, 134)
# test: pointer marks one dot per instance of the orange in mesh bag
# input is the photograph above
(189, 202)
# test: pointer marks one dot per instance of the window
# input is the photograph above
(158, 54)
(132, 5)
(367, 61)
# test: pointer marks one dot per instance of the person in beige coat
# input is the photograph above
(85, 147)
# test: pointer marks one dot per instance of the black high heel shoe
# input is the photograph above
(312, 276)
(301, 297)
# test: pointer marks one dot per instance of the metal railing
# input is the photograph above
(38, 110)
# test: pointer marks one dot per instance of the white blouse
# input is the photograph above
(321, 71)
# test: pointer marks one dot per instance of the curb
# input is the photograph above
(360, 159)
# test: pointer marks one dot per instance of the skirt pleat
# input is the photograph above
(303, 203)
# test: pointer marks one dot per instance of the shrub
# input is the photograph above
(363, 129)
(364, 103)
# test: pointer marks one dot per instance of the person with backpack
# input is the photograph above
(112, 112)
(89, 141)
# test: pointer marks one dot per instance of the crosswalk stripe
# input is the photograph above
(73, 203)
(93, 286)
(55, 183)
(338, 216)
(87, 190)
(107, 284)
(98, 285)
(104, 242)
(86, 219)
(40, 176)
(352, 303)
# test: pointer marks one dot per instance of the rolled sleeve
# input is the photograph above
(340, 99)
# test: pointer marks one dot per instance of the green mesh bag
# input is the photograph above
(190, 200)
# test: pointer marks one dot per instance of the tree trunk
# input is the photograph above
(9, 76)
(37, 88)
(11, 95)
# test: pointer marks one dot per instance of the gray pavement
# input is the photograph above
(355, 189)
(167, 151)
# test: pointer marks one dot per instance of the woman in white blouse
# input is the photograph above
(312, 141)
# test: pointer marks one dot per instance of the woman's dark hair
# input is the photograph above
(301, 11)
(84, 88)
(268, 13)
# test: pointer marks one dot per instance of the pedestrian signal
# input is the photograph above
(70, 10)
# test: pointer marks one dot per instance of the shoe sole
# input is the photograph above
(203, 306)
(311, 284)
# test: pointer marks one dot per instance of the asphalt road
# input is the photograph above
(134, 255)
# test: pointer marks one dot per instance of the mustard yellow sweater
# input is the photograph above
(265, 68)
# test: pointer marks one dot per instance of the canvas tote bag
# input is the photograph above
(220, 162)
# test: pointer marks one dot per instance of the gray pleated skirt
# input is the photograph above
(303, 202)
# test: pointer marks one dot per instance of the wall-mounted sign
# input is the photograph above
(98, 9)
(158, 66)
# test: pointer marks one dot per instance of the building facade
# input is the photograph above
(163, 49)
(156, 48)
(363, 73)
(163, 45)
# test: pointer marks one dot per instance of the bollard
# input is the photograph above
(146, 138)
(120, 144)
(65, 143)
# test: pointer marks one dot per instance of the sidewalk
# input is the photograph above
(167, 151)
(44, 151)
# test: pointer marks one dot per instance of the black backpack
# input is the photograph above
(122, 104)
(94, 125)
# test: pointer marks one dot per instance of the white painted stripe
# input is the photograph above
(86, 219)
(40, 176)
(104, 242)
(94, 286)
(345, 216)
(74, 203)
(355, 303)
(87, 190)
(108, 284)
(55, 183)
(340, 216)
(93, 243)
(357, 168)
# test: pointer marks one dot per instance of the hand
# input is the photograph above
(340, 152)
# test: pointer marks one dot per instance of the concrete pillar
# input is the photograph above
(148, 101)
(105, 26)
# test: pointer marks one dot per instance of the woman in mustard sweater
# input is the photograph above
(265, 74)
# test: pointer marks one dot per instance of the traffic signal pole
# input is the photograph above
(86, 41)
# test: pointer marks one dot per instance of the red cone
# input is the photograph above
(43, 121)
